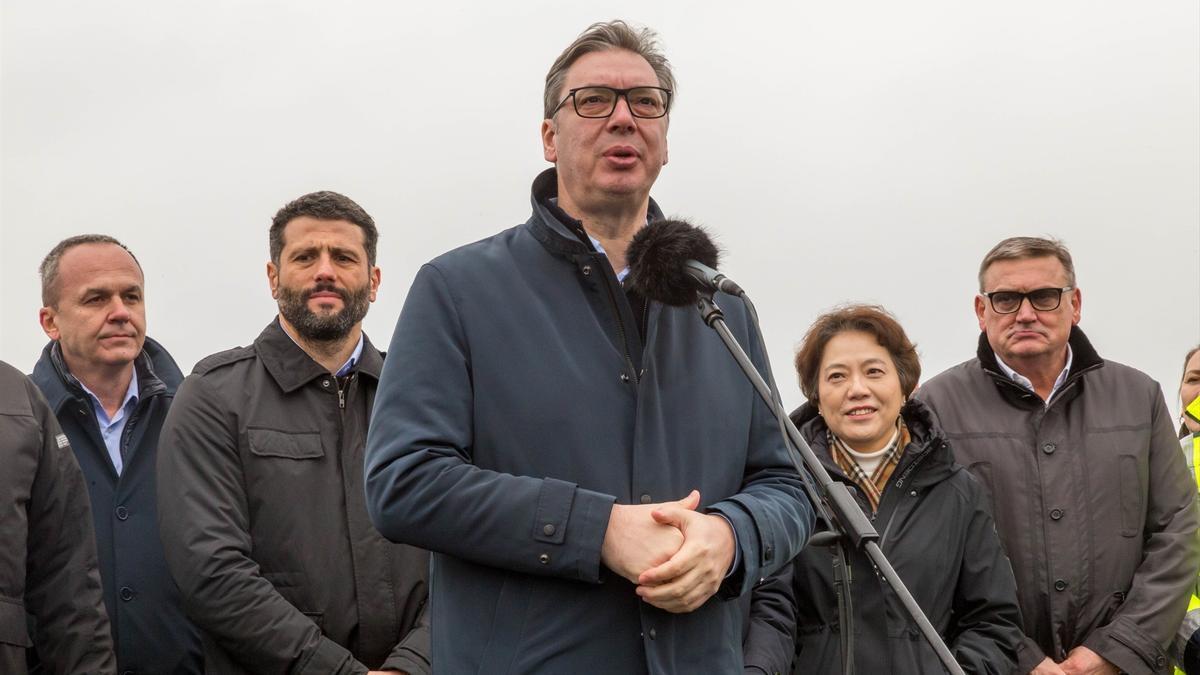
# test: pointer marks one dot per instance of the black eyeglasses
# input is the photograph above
(600, 102)
(1041, 299)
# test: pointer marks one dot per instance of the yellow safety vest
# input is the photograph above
(1195, 603)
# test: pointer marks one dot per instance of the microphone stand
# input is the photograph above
(848, 517)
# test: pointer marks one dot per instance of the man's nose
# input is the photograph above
(622, 117)
(324, 269)
(119, 311)
(1025, 311)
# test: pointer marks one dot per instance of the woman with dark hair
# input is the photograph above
(857, 368)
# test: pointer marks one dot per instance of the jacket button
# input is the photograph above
(586, 269)
(548, 529)
(1056, 514)
(1060, 585)
(544, 558)
(769, 553)
(122, 513)
(624, 377)
(126, 593)
(1161, 661)
(653, 634)
(325, 383)
(645, 499)
(1049, 448)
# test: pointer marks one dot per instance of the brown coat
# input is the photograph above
(1092, 502)
(47, 550)
(262, 514)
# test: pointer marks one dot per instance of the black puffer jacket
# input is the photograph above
(936, 530)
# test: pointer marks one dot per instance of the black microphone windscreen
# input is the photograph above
(656, 258)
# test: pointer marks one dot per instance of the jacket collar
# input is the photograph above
(927, 438)
(292, 367)
(1084, 359)
(157, 374)
(555, 229)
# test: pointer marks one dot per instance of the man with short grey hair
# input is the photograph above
(110, 387)
(545, 430)
(1091, 497)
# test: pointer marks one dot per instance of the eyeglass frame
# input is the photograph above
(620, 94)
(1025, 296)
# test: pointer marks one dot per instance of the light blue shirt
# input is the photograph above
(111, 429)
(600, 248)
(1028, 384)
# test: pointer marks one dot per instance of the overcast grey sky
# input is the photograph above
(848, 151)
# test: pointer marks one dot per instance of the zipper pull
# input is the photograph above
(341, 398)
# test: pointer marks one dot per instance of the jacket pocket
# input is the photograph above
(272, 443)
(1131, 496)
(13, 630)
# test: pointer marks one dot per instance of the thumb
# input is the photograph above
(690, 502)
(669, 514)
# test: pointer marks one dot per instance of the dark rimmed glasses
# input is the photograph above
(600, 102)
(1041, 299)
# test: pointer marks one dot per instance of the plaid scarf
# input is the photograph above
(872, 485)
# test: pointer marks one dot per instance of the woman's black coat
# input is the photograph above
(936, 529)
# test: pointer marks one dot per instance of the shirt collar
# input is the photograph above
(600, 248)
(1027, 383)
(350, 362)
(353, 360)
(131, 398)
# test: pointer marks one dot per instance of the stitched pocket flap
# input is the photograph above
(272, 443)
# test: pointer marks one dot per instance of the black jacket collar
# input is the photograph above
(293, 368)
(926, 438)
(1083, 359)
(157, 374)
(557, 230)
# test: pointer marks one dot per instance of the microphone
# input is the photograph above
(670, 260)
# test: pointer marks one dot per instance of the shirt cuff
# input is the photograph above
(737, 550)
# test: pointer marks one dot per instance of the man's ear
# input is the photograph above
(376, 277)
(47, 317)
(273, 279)
(549, 141)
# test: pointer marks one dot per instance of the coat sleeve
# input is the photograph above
(770, 643)
(987, 630)
(62, 586)
(411, 656)
(1158, 597)
(204, 523)
(771, 513)
(422, 485)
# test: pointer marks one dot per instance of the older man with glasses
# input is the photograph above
(1091, 497)
(593, 473)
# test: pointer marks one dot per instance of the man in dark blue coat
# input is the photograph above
(110, 387)
(596, 478)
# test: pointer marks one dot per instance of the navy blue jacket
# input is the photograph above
(150, 630)
(517, 404)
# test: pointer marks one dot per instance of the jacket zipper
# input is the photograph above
(616, 310)
(341, 391)
(899, 484)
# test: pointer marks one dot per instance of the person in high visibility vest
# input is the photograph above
(1186, 647)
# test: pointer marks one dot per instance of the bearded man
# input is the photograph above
(261, 501)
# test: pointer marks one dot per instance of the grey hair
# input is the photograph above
(48, 269)
(603, 36)
(1022, 248)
